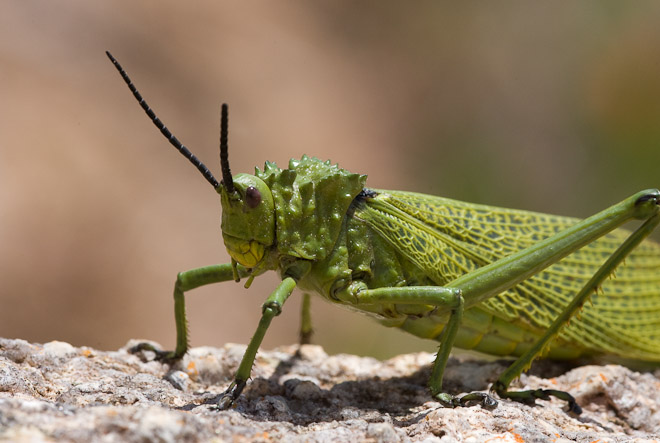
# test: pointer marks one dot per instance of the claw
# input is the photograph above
(224, 403)
(167, 357)
(446, 400)
(449, 401)
(230, 395)
(529, 397)
(486, 400)
(573, 407)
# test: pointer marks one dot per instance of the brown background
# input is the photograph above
(545, 106)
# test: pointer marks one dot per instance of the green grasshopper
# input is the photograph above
(500, 281)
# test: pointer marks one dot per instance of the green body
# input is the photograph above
(623, 320)
(329, 235)
(500, 281)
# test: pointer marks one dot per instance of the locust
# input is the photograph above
(500, 281)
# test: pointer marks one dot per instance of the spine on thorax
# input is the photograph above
(319, 241)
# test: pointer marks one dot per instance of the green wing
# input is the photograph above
(448, 238)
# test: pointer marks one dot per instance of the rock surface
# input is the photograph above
(56, 392)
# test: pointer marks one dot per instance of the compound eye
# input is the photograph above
(252, 197)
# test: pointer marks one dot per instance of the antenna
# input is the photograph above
(166, 132)
(227, 180)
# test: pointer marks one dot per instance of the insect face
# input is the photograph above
(248, 219)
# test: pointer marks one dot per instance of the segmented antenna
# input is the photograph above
(163, 129)
(227, 180)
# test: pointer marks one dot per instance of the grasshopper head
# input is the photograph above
(248, 219)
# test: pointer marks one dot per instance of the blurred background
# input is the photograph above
(545, 106)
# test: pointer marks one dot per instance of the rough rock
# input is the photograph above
(56, 392)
